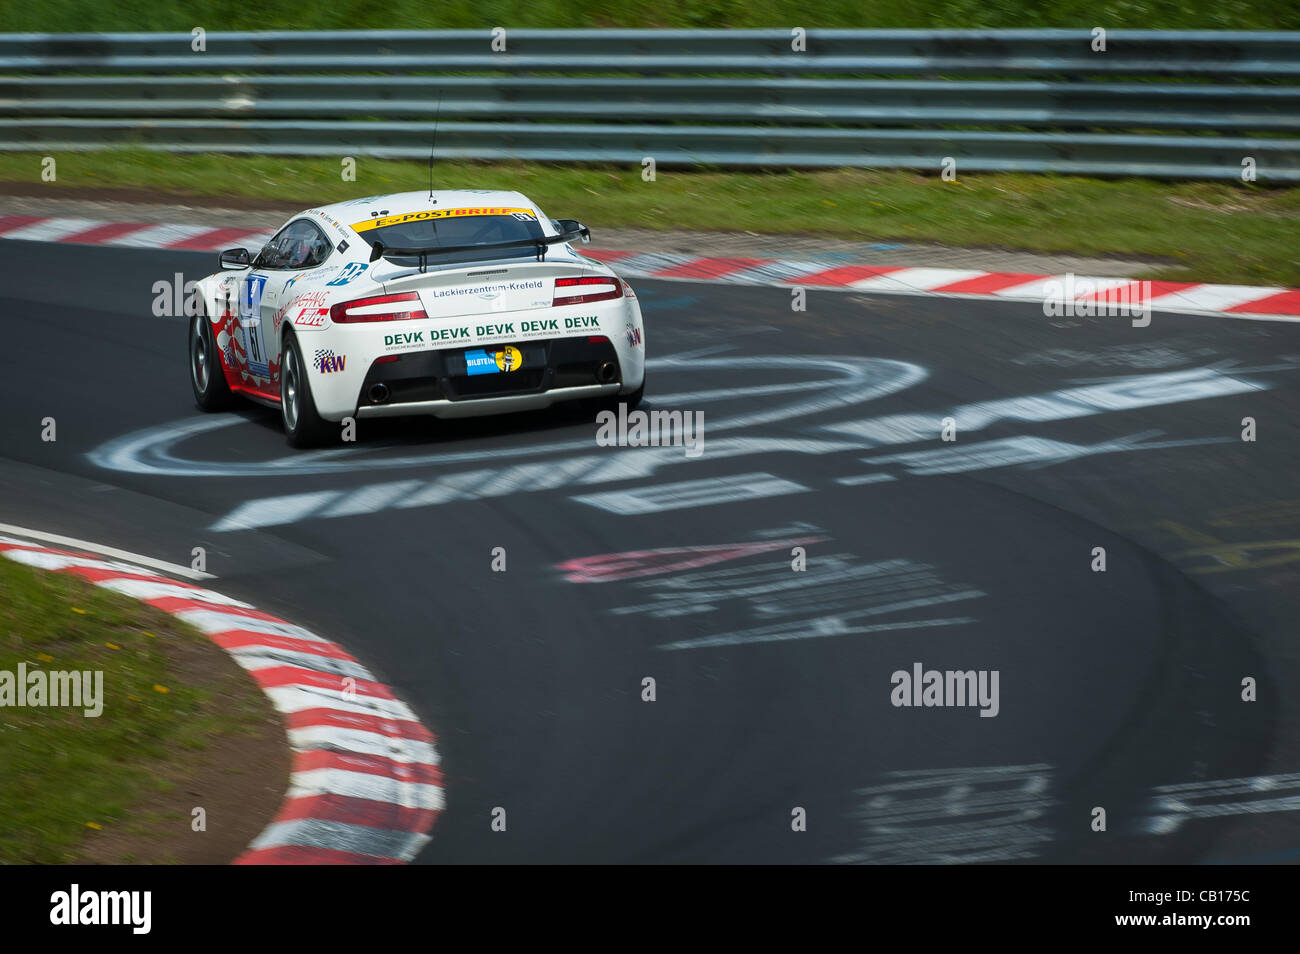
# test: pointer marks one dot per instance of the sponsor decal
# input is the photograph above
(509, 358)
(482, 361)
(327, 362)
(404, 341)
(536, 326)
(250, 302)
(350, 271)
(486, 292)
(450, 334)
(311, 276)
(539, 325)
(250, 311)
(634, 336)
(383, 221)
(309, 308)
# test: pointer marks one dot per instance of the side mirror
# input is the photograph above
(235, 258)
(572, 228)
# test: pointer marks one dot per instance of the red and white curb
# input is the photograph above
(1256, 301)
(365, 786)
(72, 231)
(1247, 301)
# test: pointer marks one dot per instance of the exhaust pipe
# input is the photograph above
(606, 372)
(378, 393)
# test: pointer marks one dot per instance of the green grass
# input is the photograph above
(1223, 232)
(212, 15)
(65, 773)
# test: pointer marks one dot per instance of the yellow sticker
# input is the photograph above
(509, 358)
(428, 214)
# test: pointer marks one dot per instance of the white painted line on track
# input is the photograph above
(126, 555)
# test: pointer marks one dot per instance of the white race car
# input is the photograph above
(451, 303)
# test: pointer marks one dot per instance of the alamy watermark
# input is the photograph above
(130, 908)
(58, 688)
(651, 429)
(1073, 297)
(946, 688)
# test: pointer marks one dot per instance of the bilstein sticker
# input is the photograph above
(482, 361)
(479, 362)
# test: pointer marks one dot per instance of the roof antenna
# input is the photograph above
(433, 145)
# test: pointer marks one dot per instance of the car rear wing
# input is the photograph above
(569, 229)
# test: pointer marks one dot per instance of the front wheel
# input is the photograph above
(207, 378)
(302, 425)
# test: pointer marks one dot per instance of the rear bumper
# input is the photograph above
(441, 383)
(480, 407)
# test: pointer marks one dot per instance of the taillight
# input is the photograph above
(379, 308)
(596, 288)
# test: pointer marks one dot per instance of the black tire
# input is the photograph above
(303, 427)
(207, 379)
(610, 402)
(633, 400)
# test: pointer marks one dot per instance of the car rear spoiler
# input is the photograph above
(569, 229)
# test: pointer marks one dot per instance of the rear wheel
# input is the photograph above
(302, 425)
(634, 399)
(610, 402)
(207, 378)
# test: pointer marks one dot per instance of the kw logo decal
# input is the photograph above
(328, 362)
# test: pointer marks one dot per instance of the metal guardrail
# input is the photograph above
(1157, 103)
(1130, 52)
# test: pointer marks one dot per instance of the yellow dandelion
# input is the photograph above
(158, 688)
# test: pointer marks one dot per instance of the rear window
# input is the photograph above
(451, 228)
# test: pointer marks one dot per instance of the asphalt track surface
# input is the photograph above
(773, 687)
